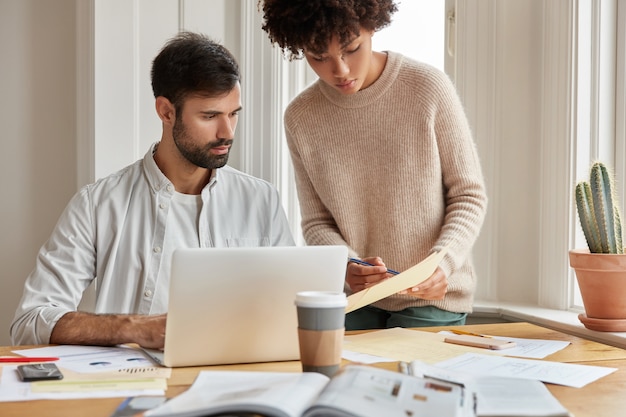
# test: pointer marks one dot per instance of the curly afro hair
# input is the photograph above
(295, 25)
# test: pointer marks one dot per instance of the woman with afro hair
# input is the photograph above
(384, 159)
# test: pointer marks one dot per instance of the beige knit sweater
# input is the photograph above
(391, 171)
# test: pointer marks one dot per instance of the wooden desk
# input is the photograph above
(604, 397)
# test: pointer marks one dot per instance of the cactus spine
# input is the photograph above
(598, 211)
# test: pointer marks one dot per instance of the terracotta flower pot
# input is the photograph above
(602, 281)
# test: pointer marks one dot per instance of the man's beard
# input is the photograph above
(200, 156)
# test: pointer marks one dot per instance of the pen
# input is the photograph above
(360, 262)
(21, 359)
(467, 333)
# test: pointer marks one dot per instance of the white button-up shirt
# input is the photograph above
(114, 231)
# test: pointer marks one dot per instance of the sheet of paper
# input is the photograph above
(12, 389)
(568, 374)
(405, 345)
(69, 385)
(92, 359)
(498, 396)
(529, 348)
(220, 392)
(407, 279)
(88, 372)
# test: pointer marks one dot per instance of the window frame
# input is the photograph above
(600, 84)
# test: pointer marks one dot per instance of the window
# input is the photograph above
(599, 98)
(620, 102)
(539, 82)
(417, 30)
(541, 104)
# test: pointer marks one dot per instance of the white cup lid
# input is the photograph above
(323, 299)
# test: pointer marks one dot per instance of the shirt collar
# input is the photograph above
(155, 177)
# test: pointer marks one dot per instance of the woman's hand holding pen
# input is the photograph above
(434, 288)
(363, 273)
(360, 275)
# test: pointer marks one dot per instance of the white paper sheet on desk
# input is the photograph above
(12, 389)
(95, 359)
(568, 374)
(89, 372)
(499, 396)
(407, 279)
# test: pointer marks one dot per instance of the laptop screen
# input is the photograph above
(236, 305)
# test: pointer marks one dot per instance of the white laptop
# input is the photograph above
(236, 305)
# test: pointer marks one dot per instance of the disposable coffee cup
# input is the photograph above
(321, 326)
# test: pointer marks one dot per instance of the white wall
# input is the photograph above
(499, 64)
(518, 133)
(38, 140)
(125, 36)
(417, 30)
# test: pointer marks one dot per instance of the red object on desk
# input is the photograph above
(21, 359)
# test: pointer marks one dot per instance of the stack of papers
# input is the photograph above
(88, 372)
(567, 374)
(499, 396)
(399, 344)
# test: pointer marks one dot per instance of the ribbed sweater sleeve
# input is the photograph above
(391, 171)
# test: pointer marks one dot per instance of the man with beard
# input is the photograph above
(121, 230)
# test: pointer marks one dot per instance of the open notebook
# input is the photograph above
(236, 305)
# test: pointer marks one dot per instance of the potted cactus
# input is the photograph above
(600, 269)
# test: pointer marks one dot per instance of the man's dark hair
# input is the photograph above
(296, 25)
(193, 64)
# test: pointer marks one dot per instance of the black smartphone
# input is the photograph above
(39, 372)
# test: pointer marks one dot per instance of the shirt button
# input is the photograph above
(162, 205)
(157, 249)
(169, 188)
(148, 293)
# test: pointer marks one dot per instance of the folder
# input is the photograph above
(407, 279)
